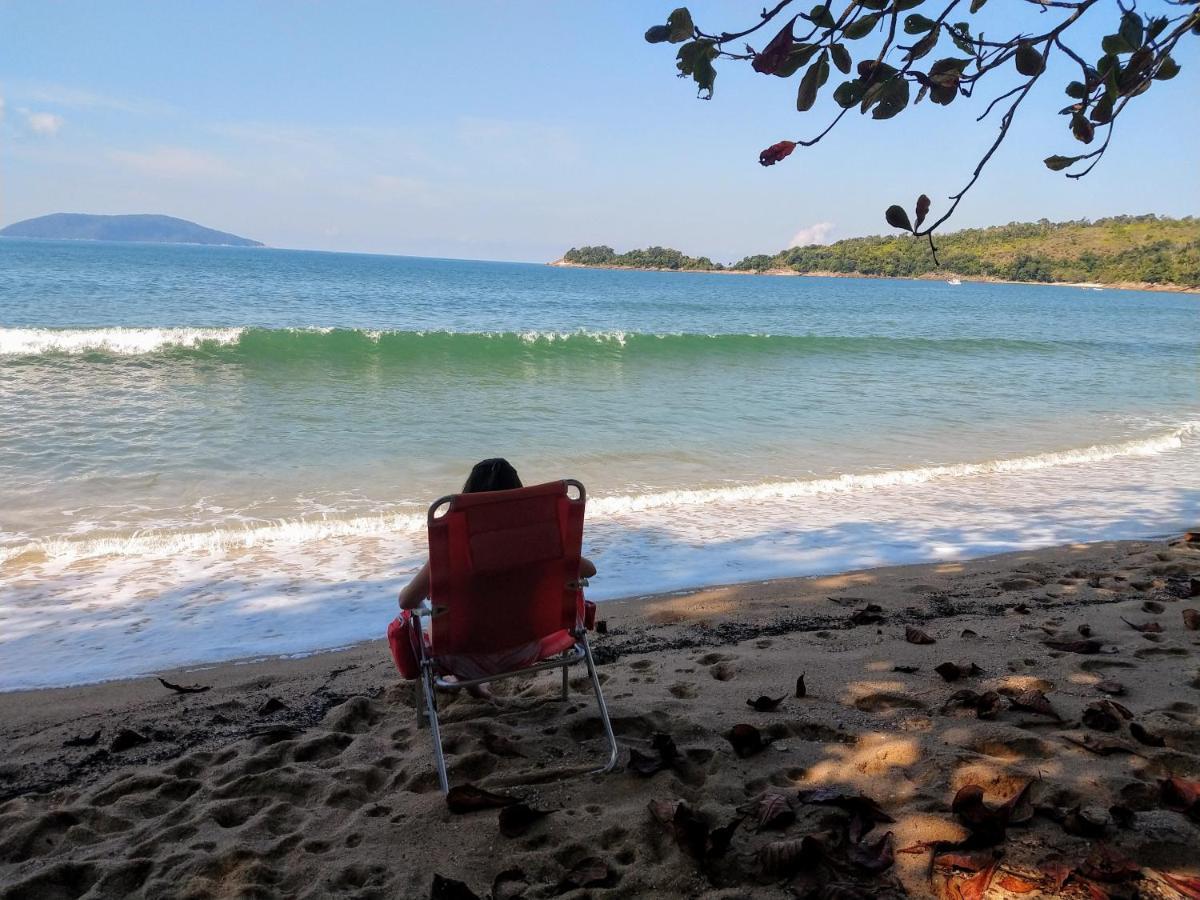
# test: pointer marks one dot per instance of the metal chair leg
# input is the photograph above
(439, 757)
(614, 750)
(420, 704)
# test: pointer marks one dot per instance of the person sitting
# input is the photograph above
(489, 475)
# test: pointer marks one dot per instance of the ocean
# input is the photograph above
(214, 453)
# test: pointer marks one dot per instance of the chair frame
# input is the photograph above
(428, 681)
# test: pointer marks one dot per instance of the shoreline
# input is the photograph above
(941, 276)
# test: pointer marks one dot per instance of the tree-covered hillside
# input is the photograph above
(1146, 249)
(650, 258)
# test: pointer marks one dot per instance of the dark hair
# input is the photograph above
(492, 475)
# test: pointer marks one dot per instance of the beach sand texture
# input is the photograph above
(307, 777)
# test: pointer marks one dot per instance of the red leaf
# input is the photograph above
(1016, 885)
(775, 53)
(1181, 795)
(1109, 865)
(975, 887)
(771, 810)
(1188, 885)
(776, 152)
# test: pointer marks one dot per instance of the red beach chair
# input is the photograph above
(505, 597)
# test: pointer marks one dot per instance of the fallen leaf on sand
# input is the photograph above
(1034, 702)
(986, 705)
(801, 689)
(786, 857)
(1100, 746)
(272, 706)
(664, 757)
(917, 636)
(975, 887)
(907, 670)
(1015, 884)
(1181, 795)
(747, 740)
(518, 818)
(1088, 646)
(987, 823)
(1105, 715)
(89, 741)
(589, 872)
(968, 633)
(1142, 736)
(1187, 885)
(1145, 627)
(765, 704)
(1115, 688)
(663, 810)
(1152, 606)
(870, 614)
(694, 835)
(953, 671)
(865, 813)
(184, 689)
(465, 798)
(873, 856)
(449, 889)
(1085, 823)
(1085, 630)
(771, 810)
(1191, 619)
(1109, 865)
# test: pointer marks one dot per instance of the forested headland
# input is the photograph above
(1149, 249)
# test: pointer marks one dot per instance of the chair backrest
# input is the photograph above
(500, 565)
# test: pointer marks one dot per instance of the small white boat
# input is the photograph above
(954, 281)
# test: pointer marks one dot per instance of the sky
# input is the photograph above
(515, 130)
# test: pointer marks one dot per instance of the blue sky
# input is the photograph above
(514, 130)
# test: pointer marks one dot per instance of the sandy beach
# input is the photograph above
(1074, 707)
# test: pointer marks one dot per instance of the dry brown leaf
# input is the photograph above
(1034, 702)
(747, 740)
(1181, 795)
(1088, 646)
(954, 671)
(589, 872)
(1191, 619)
(765, 703)
(1016, 885)
(873, 856)
(1109, 865)
(1101, 746)
(1187, 885)
(771, 810)
(663, 810)
(975, 887)
(1145, 627)
(917, 636)
(801, 690)
(1142, 736)
(1115, 688)
(786, 857)
(465, 798)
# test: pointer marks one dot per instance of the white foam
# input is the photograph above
(120, 341)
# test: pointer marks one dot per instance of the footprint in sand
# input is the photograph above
(885, 702)
(723, 671)
(683, 690)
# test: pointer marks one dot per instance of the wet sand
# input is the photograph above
(308, 777)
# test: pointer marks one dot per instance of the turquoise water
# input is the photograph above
(187, 426)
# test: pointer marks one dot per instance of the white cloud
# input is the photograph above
(812, 234)
(43, 123)
(76, 98)
(172, 162)
(1, 109)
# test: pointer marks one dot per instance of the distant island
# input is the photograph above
(1130, 251)
(150, 228)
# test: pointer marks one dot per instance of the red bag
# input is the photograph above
(403, 637)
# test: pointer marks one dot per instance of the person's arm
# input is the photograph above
(587, 568)
(414, 593)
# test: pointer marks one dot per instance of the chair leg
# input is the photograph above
(614, 750)
(439, 757)
(565, 689)
(420, 704)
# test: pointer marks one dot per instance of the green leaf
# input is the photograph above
(917, 24)
(1155, 27)
(1167, 69)
(904, 5)
(821, 16)
(1058, 163)
(680, 23)
(888, 98)
(922, 210)
(841, 58)
(873, 4)
(810, 84)
(1083, 130)
(1077, 90)
(1102, 112)
(1029, 60)
(977, 5)
(656, 34)
(695, 59)
(1131, 29)
(960, 33)
(1112, 44)
(898, 218)
(799, 57)
(923, 46)
(849, 93)
(861, 27)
